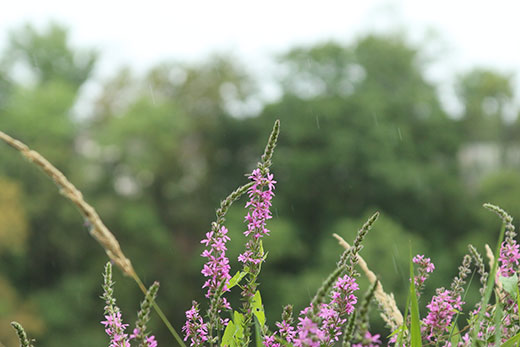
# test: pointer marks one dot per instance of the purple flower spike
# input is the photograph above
(509, 258)
(115, 328)
(259, 204)
(343, 295)
(195, 329)
(217, 267)
(442, 308)
(425, 267)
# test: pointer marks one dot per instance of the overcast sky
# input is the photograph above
(142, 33)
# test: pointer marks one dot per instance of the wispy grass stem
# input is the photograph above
(98, 229)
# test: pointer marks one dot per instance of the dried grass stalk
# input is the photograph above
(390, 313)
(491, 257)
(98, 230)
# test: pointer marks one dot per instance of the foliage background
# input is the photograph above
(362, 130)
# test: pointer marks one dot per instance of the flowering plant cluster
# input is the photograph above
(114, 326)
(337, 314)
(334, 314)
(328, 318)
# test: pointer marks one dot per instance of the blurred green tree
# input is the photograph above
(154, 141)
(47, 56)
(43, 74)
(375, 136)
(485, 95)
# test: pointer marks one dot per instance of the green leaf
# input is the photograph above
(258, 334)
(396, 331)
(236, 279)
(416, 321)
(239, 324)
(258, 309)
(510, 285)
(234, 332)
(227, 338)
(512, 341)
(455, 334)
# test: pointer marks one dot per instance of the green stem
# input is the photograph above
(160, 313)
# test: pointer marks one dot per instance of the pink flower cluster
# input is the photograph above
(217, 267)
(425, 267)
(308, 332)
(343, 298)
(442, 308)
(331, 324)
(259, 204)
(270, 341)
(195, 329)
(509, 258)
(327, 327)
(286, 330)
(115, 328)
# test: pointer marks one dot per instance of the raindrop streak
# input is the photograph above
(152, 94)
(399, 132)
(395, 265)
(395, 257)
(375, 119)
(317, 122)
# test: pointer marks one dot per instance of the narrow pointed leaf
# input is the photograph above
(258, 308)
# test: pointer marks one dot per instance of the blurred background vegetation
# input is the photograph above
(362, 130)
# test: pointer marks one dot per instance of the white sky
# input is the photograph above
(142, 33)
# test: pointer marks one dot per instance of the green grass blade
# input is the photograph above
(490, 285)
(415, 324)
(498, 323)
(512, 341)
(454, 335)
(236, 279)
(403, 328)
(517, 296)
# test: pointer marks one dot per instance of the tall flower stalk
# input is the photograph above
(114, 326)
(217, 268)
(260, 195)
